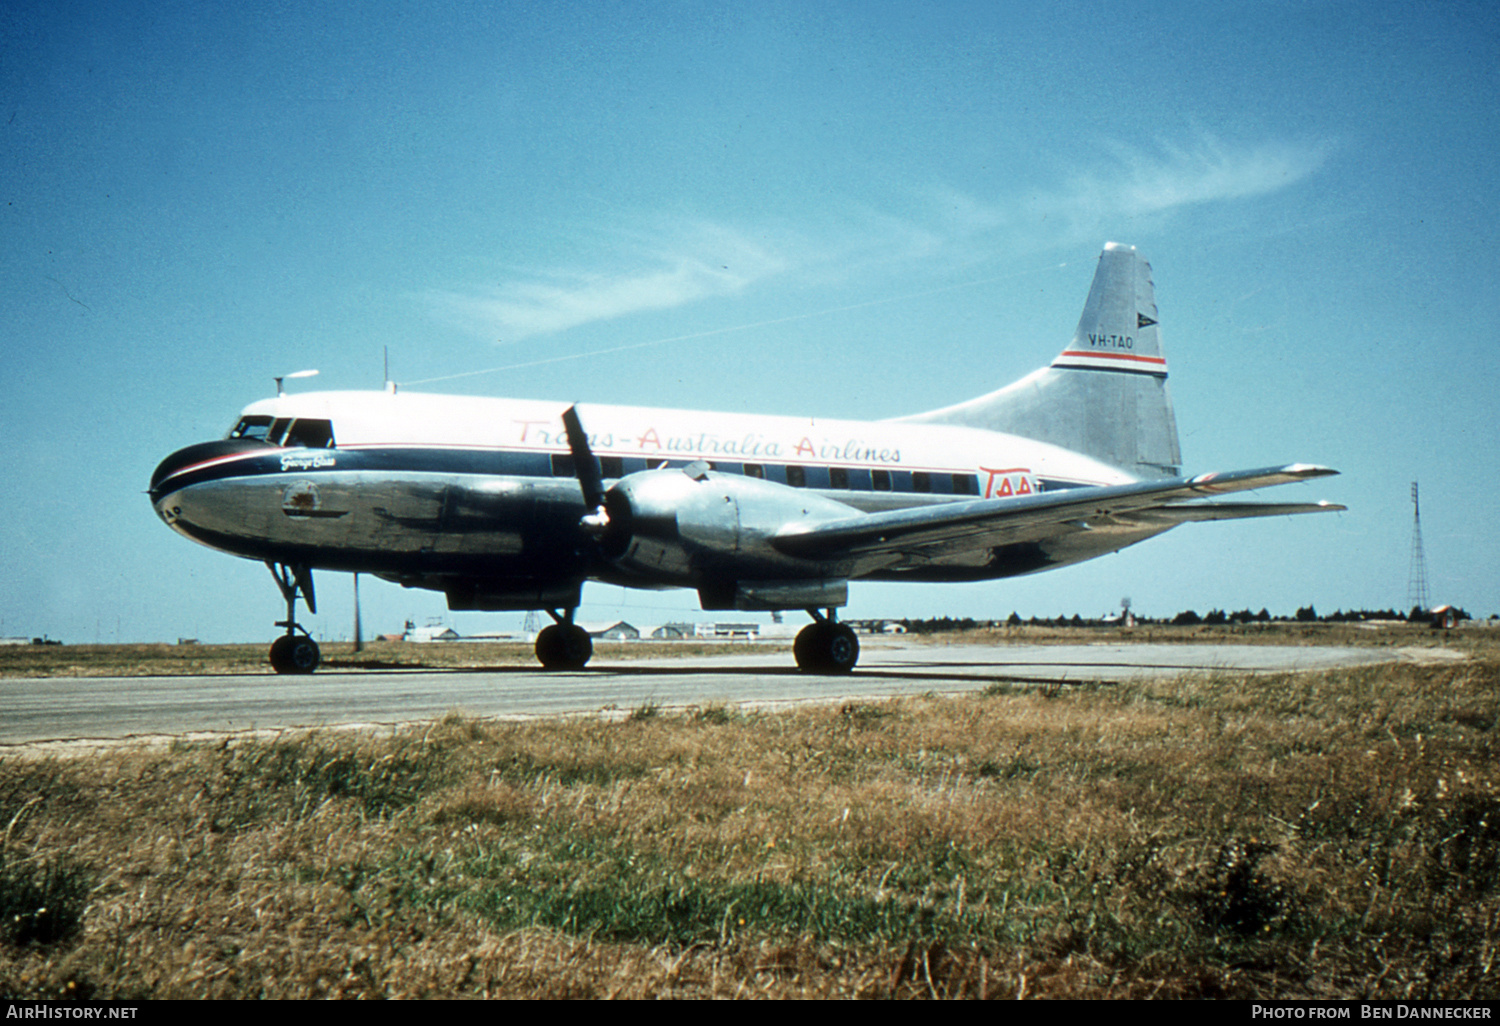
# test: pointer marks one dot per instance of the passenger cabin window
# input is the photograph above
(254, 428)
(838, 477)
(796, 476)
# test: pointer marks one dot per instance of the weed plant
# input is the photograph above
(1332, 835)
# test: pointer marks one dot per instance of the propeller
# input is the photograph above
(590, 476)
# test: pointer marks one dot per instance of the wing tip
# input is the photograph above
(1286, 474)
(1307, 471)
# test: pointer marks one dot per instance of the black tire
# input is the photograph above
(826, 648)
(564, 647)
(293, 653)
(810, 646)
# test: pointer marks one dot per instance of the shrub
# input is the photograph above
(41, 903)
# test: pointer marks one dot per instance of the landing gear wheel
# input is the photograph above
(825, 647)
(564, 646)
(295, 651)
(842, 649)
(292, 653)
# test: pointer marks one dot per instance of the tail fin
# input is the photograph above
(1105, 395)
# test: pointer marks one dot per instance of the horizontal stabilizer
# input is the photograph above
(1206, 511)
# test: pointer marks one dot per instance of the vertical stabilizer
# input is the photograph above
(1105, 395)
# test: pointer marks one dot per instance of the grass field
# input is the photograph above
(1332, 835)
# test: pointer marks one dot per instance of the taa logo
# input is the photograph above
(1008, 483)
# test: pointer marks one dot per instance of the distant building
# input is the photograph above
(423, 635)
(876, 626)
(740, 631)
(618, 630)
(1444, 617)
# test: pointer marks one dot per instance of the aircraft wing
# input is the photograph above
(983, 522)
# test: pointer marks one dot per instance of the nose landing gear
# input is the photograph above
(295, 651)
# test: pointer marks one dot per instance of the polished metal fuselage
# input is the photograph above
(499, 509)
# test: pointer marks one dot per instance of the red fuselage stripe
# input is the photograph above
(1114, 356)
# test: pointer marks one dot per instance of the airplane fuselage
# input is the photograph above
(451, 492)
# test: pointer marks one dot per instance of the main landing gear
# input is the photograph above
(563, 645)
(294, 652)
(825, 646)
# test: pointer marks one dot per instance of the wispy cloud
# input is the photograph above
(671, 263)
(663, 268)
(1137, 182)
(1125, 188)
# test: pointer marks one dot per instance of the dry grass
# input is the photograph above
(1318, 836)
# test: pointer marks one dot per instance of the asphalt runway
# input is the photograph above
(110, 708)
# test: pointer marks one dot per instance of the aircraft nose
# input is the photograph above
(186, 459)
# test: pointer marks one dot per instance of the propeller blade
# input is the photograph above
(586, 468)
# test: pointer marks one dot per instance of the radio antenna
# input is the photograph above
(1416, 580)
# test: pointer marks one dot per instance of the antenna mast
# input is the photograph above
(1416, 580)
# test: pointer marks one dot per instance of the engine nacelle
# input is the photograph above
(693, 527)
(493, 596)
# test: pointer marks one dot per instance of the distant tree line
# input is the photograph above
(943, 624)
(1188, 618)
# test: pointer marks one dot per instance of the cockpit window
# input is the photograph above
(252, 427)
(302, 433)
(309, 434)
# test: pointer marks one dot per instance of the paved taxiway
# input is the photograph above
(62, 708)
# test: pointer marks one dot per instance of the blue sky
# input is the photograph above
(845, 209)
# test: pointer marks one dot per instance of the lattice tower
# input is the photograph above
(1416, 579)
